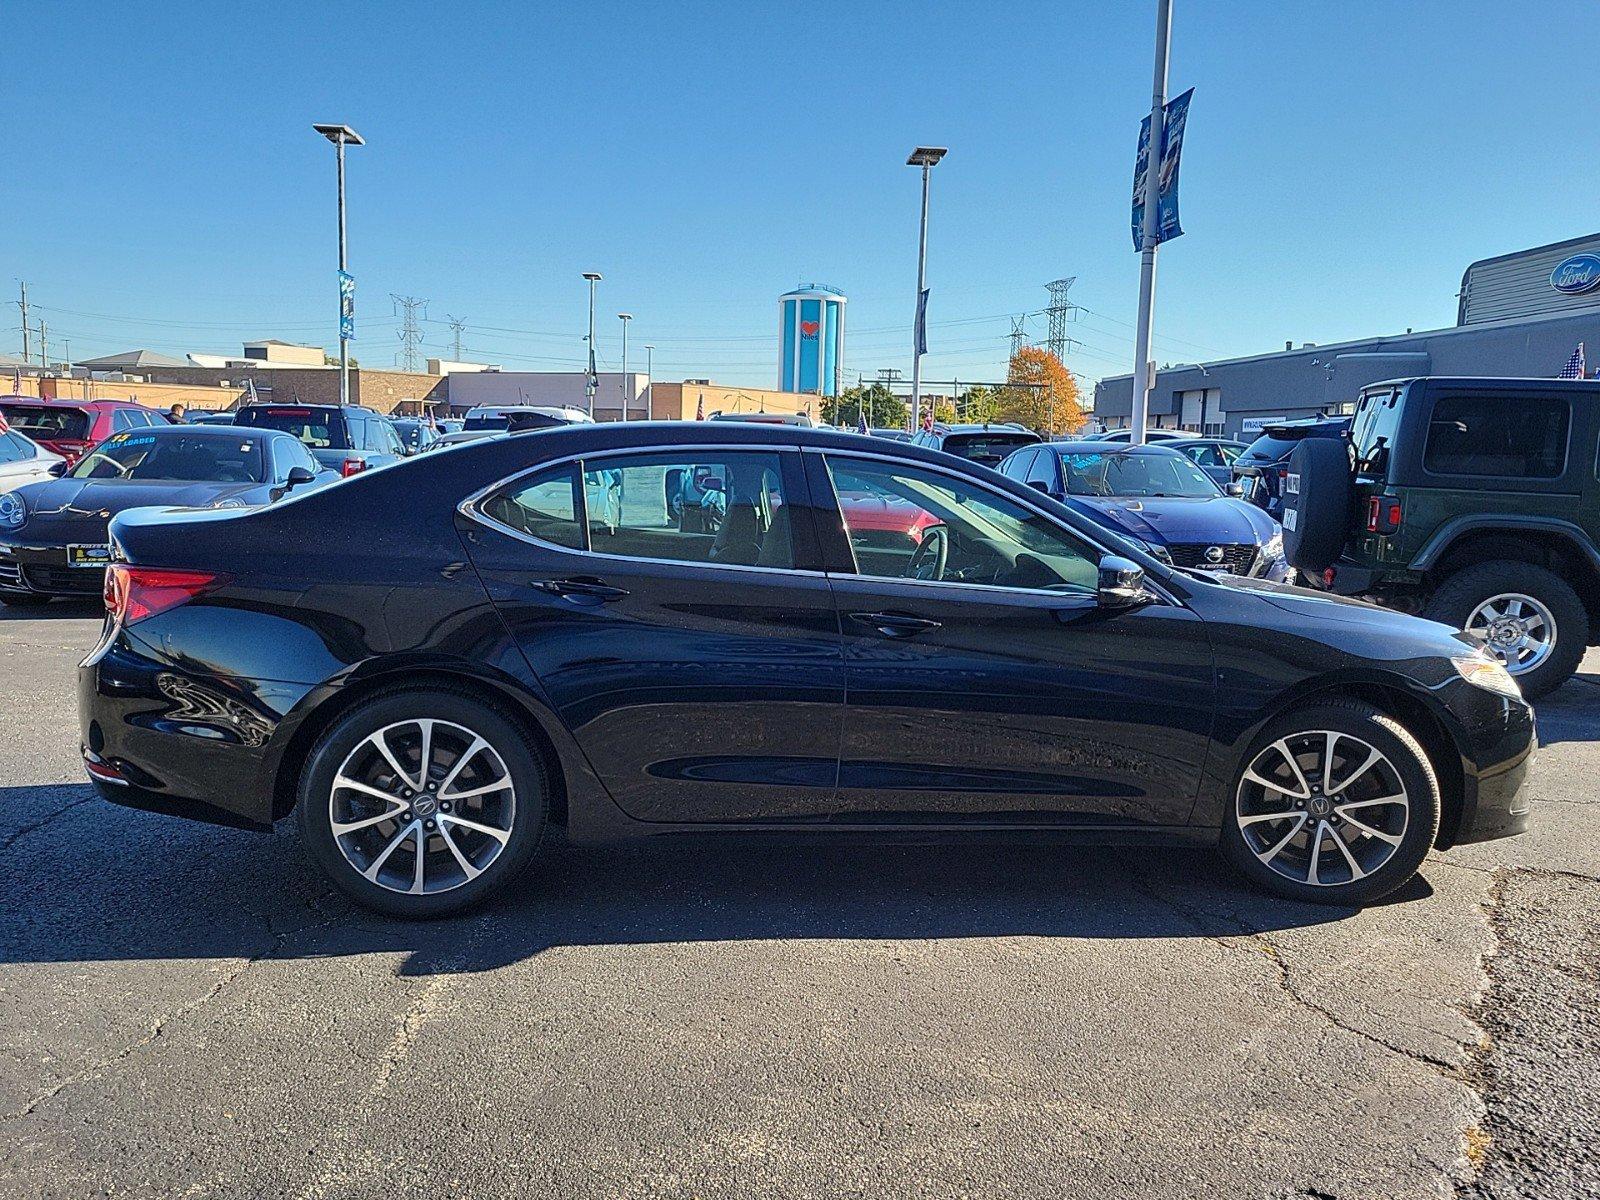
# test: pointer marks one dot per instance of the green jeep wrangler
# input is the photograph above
(1474, 502)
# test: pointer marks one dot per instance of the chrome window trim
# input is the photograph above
(470, 508)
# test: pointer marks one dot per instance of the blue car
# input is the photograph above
(1158, 497)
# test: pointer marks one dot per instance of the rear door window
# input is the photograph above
(1501, 436)
(543, 505)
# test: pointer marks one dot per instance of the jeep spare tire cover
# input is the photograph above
(1316, 503)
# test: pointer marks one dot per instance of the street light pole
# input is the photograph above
(1151, 227)
(592, 384)
(340, 136)
(649, 380)
(625, 318)
(926, 157)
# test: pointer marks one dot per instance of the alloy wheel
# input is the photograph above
(1519, 629)
(1322, 808)
(422, 806)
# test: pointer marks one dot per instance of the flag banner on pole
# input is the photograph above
(861, 420)
(1575, 365)
(922, 321)
(927, 418)
(700, 409)
(347, 306)
(1176, 116)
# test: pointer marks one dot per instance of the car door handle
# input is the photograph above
(895, 624)
(582, 587)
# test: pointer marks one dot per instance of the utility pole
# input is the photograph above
(24, 303)
(457, 327)
(926, 157)
(406, 307)
(591, 385)
(1148, 234)
(649, 380)
(625, 318)
(44, 345)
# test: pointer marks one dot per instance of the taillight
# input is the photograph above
(1383, 514)
(353, 466)
(134, 593)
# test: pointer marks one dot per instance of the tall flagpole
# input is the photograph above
(1151, 229)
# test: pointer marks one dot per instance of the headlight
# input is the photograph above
(1485, 671)
(13, 512)
(1274, 546)
(1159, 552)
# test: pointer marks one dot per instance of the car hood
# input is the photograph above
(1312, 605)
(90, 503)
(1163, 520)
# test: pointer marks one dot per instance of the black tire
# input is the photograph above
(1455, 600)
(23, 600)
(523, 765)
(1409, 763)
(1316, 513)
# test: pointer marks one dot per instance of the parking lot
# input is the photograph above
(188, 1010)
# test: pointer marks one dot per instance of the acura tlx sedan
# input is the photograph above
(431, 665)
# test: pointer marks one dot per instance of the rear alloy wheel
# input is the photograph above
(1336, 804)
(1530, 617)
(421, 804)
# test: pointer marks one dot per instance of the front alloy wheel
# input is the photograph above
(422, 803)
(1336, 803)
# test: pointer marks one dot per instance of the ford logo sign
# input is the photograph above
(1576, 275)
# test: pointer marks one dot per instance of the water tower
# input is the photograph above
(811, 332)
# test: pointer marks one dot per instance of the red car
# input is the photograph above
(70, 427)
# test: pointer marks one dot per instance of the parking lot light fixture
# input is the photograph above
(342, 136)
(592, 384)
(926, 157)
(625, 318)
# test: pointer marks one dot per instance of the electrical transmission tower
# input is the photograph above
(410, 335)
(1059, 312)
(457, 327)
(1019, 333)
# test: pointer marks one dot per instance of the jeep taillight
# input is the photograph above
(353, 466)
(1383, 514)
(134, 593)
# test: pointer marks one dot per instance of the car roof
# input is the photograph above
(1112, 448)
(990, 427)
(66, 402)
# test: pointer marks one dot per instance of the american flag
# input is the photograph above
(861, 421)
(700, 409)
(1574, 368)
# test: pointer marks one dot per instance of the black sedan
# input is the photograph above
(428, 701)
(53, 534)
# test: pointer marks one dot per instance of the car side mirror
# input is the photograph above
(1121, 582)
(58, 469)
(1235, 488)
(299, 476)
(1040, 485)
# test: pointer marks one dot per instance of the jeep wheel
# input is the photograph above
(1529, 616)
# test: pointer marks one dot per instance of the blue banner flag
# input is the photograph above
(347, 306)
(1176, 116)
(922, 321)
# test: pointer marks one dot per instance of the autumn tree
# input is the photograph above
(883, 409)
(1051, 405)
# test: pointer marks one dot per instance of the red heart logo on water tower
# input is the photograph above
(808, 329)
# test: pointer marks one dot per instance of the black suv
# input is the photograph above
(1474, 502)
(1265, 462)
(986, 444)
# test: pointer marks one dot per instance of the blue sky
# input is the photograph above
(1343, 164)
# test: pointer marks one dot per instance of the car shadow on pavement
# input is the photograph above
(90, 607)
(89, 881)
(1571, 713)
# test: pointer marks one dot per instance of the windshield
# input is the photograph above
(985, 447)
(189, 458)
(1373, 431)
(44, 422)
(1112, 474)
(318, 428)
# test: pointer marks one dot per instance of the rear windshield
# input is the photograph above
(487, 421)
(986, 447)
(185, 457)
(1372, 433)
(47, 422)
(318, 428)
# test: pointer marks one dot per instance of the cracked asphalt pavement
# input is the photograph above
(186, 1010)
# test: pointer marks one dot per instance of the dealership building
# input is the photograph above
(1518, 314)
